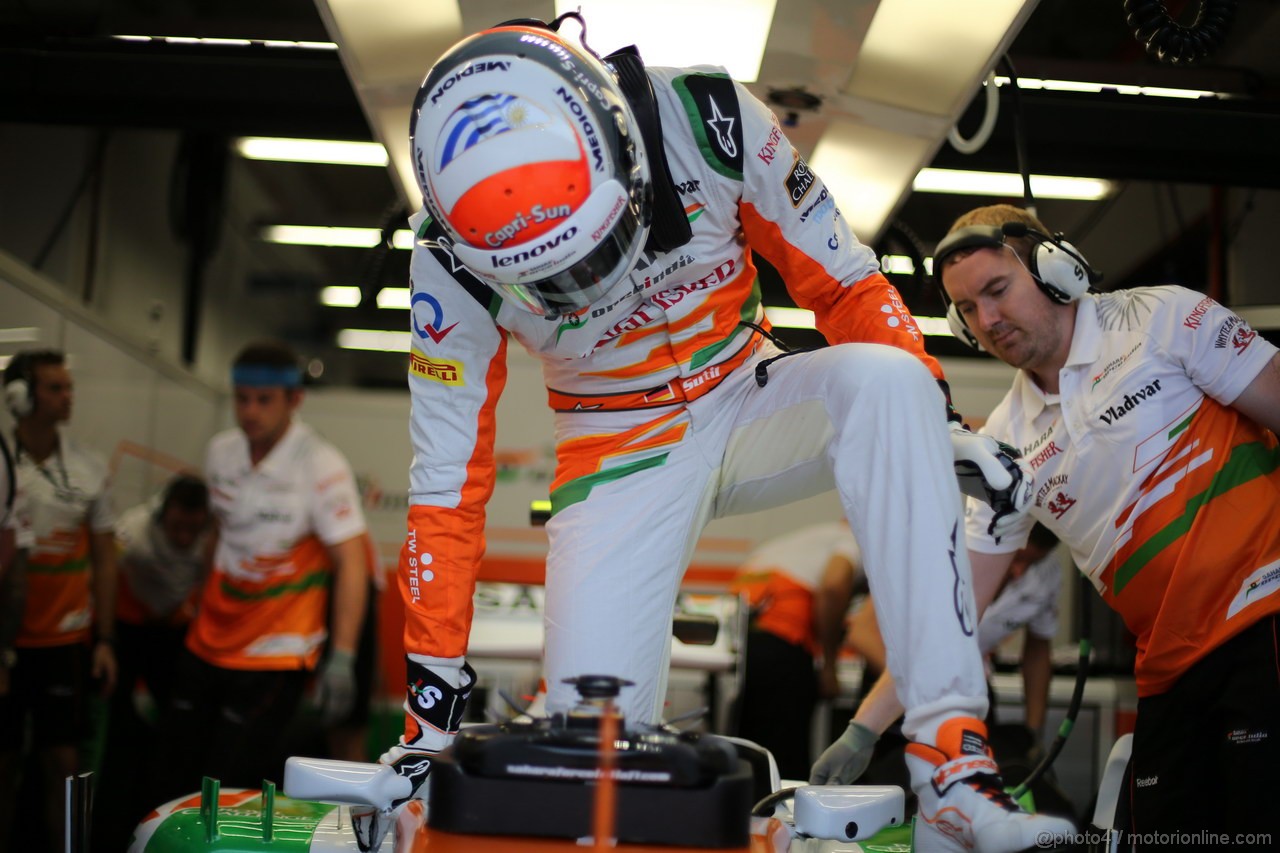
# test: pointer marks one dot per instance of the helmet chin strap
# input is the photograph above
(670, 228)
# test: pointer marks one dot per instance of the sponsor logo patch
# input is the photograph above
(1129, 403)
(1242, 338)
(1113, 365)
(723, 127)
(1196, 317)
(1061, 503)
(440, 370)
(962, 597)
(799, 180)
(1050, 450)
(583, 119)
(435, 330)
(1261, 583)
(1244, 736)
(470, 71)
(770, 148)
(1055, 482)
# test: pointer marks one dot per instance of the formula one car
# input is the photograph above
(541, 786)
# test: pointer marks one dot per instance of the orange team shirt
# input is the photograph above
(65, 498)
(265, 603)
(1168, 498)
(780, 577)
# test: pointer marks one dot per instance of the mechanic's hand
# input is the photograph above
(336, 686)
(846, 759)
(103, 667)
(989, 470)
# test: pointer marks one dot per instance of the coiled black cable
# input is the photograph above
(1171, 42)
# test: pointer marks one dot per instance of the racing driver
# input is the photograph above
(605, 216)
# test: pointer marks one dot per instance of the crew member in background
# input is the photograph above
(1027, 603)
(799, 587)
(289, 534)
(64, 647)
(1150, 415)
(16, 540)
(347, 737)
(163, 552)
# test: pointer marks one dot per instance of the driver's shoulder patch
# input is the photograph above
(715, 117)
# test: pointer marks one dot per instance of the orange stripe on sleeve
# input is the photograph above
(844, 314)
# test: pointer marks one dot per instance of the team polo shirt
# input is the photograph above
(1028, 601)
(66, 502)
(265, 603)
(779, 579)
(156, 579)
(1165, 494)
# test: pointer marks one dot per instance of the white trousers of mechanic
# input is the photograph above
(866, 419)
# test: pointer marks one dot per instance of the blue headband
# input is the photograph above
(265, 376)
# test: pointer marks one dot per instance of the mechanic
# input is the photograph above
(162, 555)
(65, 638)
(608, 224)
(290, 533)
(1150, 417)
(798, 587)
(1027, 602)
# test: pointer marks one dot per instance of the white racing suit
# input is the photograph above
(661, 426)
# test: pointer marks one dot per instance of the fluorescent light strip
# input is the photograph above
(340, 296)
(326, 235)
(1120, 88)
(394, 297)
(936, 326)
(336, 152)
(789, 318)
(375, 340)
(231, 42)
(19, 335)
(322, 235)
(902, 265)
(961, 182)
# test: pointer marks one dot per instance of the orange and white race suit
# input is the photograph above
(265, 604)
(66, 499)
(661, 424)
(1165, 494)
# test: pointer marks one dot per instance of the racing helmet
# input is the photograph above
(531, 161)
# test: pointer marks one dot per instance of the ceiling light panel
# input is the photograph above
(340, 296)
(1008, 184)
(330, 151)
(928, 55)
(867, 170)
(377, 340)
(731, 33)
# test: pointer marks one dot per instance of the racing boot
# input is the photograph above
(962, 802)
(437, 696)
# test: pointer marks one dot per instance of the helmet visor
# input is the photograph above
(586, 281)
(568, 269)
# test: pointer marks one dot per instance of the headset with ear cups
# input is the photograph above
(1057, 267)
(19, 392)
